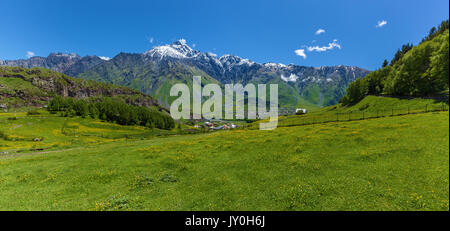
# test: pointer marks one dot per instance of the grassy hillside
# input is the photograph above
(369, 107)
(396, 160)
(392, 163)
(21, 87)
(421, 70)
(55, 133)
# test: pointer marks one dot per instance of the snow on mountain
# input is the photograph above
(232, 68)
(65, 55)
(104, 58)
(291, 78)
(274, 65)
(178, 49)
(230, 61)
(225, 69)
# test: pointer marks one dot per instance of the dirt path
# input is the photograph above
(17, 126)
(13, 155)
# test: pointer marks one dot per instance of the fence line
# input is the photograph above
(362, 115)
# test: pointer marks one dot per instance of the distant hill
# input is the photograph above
(418, 71)
(155, 71)
(35, 87)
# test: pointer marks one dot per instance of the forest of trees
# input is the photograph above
(420, 70)
(111, 110)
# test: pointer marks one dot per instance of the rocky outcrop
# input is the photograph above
(37, 86)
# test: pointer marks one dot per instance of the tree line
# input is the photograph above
(111, 110)
(421, 70)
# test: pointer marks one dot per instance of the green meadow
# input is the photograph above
(389, 163)
(22, 132)
(368, 108)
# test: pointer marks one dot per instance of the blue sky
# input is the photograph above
(263, 31)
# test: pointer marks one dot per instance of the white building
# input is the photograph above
(300, 111)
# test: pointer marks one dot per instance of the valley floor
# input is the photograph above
(392, 163)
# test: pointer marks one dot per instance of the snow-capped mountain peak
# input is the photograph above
(178, 49)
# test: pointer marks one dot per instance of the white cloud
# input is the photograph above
(194, 45)
(150, 40)
(320, 31)
(104, 58)
(30, 54)
(381, 23)
(330, 46)
(301, 52)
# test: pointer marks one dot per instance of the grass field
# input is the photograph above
(369, 107)
(390, 163)
(52, 132)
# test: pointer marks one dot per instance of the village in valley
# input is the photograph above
(217, 124)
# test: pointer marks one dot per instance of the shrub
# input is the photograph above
(33, 112)
(3, 135)
(114, 202)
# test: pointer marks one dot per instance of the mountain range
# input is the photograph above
(154, 71)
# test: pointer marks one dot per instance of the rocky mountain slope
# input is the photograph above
(35, 87)
(69, 64)
(154, 71)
